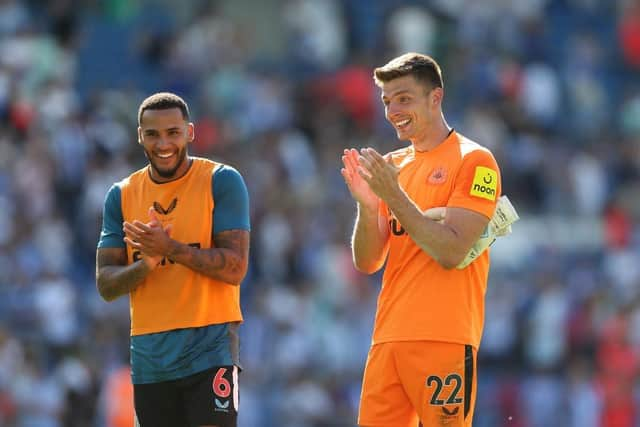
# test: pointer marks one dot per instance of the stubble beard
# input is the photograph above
(167, 173)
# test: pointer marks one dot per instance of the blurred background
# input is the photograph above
(278, 88)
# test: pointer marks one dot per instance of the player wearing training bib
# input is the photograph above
(422, 363)
(175, 238)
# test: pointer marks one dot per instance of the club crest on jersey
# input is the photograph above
(158, 207)
(485, 183)
(437, 176)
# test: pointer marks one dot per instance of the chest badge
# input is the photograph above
(437, 176)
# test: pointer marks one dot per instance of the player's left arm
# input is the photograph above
(448, 241)
(227, 261)
(228, 258)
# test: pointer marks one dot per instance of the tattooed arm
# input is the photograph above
(227, 261)
(228, 257)
(114, 277)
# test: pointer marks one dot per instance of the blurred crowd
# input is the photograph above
(278, 88)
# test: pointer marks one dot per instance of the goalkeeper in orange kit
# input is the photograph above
(421, 365)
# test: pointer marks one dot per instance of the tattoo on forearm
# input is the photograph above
(115, 278)
(236, 241)
(133, 275)
(218, 259)
(226, 260)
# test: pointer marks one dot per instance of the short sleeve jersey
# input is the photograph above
(419, 299)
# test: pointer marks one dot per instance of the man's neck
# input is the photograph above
(434, 137)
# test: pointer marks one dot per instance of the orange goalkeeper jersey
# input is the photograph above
(419, 299)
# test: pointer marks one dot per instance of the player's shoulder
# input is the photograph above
(476, 157)
(467, 146)
(224, 171)
(226, 177)
(132, 178)
(215, 167)
(203, 165)
(203, 161)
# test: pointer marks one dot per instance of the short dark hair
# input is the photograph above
(163, 101)
(423, 68)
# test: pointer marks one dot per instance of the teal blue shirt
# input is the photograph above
(170, 355)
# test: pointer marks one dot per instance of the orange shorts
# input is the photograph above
(409, 382)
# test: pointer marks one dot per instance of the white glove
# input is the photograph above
(499, 225)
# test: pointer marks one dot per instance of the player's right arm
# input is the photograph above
(114, 277)
(370, 240)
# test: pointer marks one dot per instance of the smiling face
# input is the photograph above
(164, 135)
(411, 107)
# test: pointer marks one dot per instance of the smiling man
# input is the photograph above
(175, 239)
(430, 314)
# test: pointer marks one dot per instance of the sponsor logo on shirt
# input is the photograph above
(158, 207)
(449, 417)
(221, 406)
(394, 225)
(485, 183)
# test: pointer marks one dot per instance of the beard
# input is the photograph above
(167, 172)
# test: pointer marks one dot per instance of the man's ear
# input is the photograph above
(436, 96)
(191, 132)
(139, 135)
